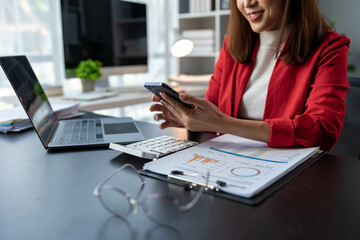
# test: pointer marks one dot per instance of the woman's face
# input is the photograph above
(263, 15)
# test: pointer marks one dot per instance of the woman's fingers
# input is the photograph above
(172, 111)
(155, 98)
(204, 117)
(172, 104)
(157, 108)
(166, 115)
(167, 124)
(164, 125)
(190, 99)
(159, 116)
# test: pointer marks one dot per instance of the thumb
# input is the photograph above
(187, 98)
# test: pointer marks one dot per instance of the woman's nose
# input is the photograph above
(250, 3)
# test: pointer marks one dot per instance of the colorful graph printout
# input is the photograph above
(246, 166)
(203, 160)
(245, 172)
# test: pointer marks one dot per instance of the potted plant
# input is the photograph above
(88, 71)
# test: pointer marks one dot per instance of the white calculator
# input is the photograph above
(154, 147)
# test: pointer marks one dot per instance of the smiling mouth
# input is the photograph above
(255, 15)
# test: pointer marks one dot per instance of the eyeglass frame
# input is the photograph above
(135, 203)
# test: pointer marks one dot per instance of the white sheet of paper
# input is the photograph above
(247, 166)
(90, 96)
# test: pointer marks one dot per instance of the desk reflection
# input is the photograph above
(120, 228)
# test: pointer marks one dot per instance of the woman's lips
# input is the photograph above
(255, 15)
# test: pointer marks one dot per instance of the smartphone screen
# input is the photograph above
(158, 87)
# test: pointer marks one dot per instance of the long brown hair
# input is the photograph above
(306, 31)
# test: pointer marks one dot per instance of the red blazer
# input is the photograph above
(305, 104)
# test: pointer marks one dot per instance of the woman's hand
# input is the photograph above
(170, 119)
(204, 117)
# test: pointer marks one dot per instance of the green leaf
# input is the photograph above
(89, 70)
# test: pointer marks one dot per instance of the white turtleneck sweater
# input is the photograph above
(253, 102)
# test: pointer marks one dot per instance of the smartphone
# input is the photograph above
(158, 87)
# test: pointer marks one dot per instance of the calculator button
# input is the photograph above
(162, 145)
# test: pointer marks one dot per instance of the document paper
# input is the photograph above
(246, 166)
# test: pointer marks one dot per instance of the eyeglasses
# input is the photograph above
(161, 208)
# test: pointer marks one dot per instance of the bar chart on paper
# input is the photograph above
(221, 166)
(245, 166)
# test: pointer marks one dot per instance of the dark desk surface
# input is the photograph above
(49, 196)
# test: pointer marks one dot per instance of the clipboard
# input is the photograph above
(253, 201)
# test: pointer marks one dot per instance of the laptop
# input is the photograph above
(63, 134)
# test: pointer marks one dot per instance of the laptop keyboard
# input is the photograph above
(80, 132)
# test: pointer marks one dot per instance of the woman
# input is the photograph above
(280, 78)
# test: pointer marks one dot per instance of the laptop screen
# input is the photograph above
(31, 95)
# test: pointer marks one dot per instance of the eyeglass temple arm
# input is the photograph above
(96, 191)
(193, 202)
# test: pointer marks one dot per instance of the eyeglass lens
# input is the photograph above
(160, 208)
(163, 209)
(115, 201)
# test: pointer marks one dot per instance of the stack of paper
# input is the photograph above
(203, 39)
(245, 166)
(196, 6)
(188, 79)
(89, 96)
(15, 125)
(16, 120)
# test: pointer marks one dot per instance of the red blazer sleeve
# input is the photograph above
(321, 121)
(212, 93)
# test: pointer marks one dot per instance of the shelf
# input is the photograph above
(224, 12)
(203, 14)
(197, 15)
(212, 55)
(216, 20)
